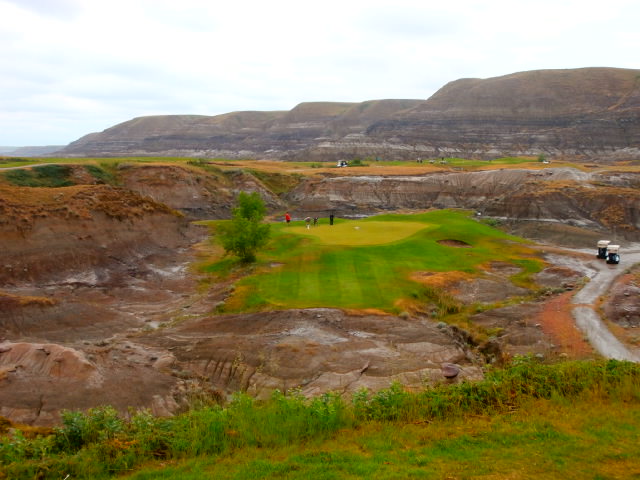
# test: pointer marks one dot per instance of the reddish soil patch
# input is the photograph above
(454, 243)
(557, 322)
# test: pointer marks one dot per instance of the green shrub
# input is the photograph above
(80, 429)
(357, 162)
(42, 176)
(101, 174)
(245, 234)
(100, 443)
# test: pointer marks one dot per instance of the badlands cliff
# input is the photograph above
(580, 113)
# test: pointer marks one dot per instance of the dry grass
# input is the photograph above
(442, 280)
(8, 300)
(21, 207)
(365, 311)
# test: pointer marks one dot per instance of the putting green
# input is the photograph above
(360, 233)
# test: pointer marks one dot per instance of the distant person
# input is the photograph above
(315, 221)
(331, 219)
(287, 218)
(308, 222)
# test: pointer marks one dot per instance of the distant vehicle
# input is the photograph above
(342, 163)
(602, 248)
(612, 254)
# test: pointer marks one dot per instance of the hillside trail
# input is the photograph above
(584, 303)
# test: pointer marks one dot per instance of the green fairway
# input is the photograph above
(359, 232)
(368, 263)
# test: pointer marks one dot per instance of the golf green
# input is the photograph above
(358, 233)
(369, 263)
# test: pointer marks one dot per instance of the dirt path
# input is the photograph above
(585, 305)
(557, 321)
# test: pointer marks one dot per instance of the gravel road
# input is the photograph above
(585, 311)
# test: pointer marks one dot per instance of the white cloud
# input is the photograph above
(70, 67)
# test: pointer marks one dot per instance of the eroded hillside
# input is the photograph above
(99, 303)
(579, 113)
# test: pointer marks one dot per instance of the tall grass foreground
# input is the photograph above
(100, 443)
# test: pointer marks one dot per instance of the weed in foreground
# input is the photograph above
(100, 443)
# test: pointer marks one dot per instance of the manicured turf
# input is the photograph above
(359, 233)
(368, 263)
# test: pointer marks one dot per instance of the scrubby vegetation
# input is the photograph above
(277, 183)
(103, 174)
(42, 176)
(100, 443)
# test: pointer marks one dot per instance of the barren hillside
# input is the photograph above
(588, 112)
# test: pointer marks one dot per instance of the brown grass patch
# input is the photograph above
(9, 300)
(440, 279)
(236, 301)
(289, 347)
(365, 311)
(21, 207)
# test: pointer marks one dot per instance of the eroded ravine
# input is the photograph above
(104, 289)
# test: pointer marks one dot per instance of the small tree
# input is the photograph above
(245, 233)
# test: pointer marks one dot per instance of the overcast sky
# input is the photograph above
(72, 67)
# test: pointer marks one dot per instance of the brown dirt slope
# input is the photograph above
(47, 233)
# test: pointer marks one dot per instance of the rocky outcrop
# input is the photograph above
(83, 265)
(600, 201)
(588, 112)
(237, 134)
(591, 112)
(197, 193)
(317, 350)
(49, 233)
(38, 380)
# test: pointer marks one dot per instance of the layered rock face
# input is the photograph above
(592, 112)
(48, 233)
(595, 200)
(197, 194)
(237, 134)
(589, 112)
(317, 350)
(80, 265)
